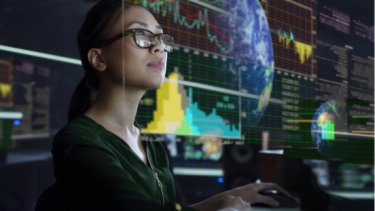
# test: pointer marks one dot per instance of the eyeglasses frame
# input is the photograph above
(132, 32)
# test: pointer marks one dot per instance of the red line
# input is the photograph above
(218, 31)
(190, 15)
(214, 28)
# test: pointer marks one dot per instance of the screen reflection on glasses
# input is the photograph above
(144, 38)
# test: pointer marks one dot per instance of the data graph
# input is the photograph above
(5, 90)
(303, 50)
(293, 27)
(177, 113)
(6, 72)
(183, 17)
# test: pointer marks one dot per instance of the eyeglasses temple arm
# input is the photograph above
(112, 39)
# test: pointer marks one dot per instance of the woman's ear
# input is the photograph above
(95, 57)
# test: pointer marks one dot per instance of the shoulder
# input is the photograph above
(80, 131)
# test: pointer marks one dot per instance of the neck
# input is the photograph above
(116, 108)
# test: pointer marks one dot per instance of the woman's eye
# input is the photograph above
(140, 32)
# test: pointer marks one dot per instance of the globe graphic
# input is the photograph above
(253, 52)
(326, 120)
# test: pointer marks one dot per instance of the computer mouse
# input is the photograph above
(284, 201)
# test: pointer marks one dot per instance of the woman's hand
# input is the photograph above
(234, 203)
(240, 198)
(250, 193)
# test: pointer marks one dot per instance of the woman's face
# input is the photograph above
(142, 68)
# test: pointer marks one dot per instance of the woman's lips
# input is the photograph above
(157, 64)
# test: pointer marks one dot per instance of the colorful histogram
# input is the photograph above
(176, 113)
(6, 82)
(285, 37)
(303, 50)
(5, 89)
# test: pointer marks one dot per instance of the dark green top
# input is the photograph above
(97, 170)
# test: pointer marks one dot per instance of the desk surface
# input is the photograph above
(353, 194)
(274, 209)
(26, 156)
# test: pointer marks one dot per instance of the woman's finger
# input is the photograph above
(266, 200)
(273, 186)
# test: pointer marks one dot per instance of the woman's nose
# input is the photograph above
(158, 47)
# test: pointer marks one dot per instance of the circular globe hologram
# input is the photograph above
(251, 48)
(327, 120)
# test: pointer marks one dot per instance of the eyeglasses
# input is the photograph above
(144, 38)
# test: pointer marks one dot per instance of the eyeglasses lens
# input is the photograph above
(145, 39)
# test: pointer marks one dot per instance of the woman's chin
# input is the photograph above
(156, 85)
(153, 84)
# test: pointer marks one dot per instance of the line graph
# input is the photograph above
(182, 17)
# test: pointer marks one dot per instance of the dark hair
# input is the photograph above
(89, 36)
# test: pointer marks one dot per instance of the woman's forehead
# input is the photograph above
(138, 17)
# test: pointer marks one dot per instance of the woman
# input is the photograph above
(99, 159)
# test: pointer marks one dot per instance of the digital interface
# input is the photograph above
(273, 91)
(300, 70)
(313, 90)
